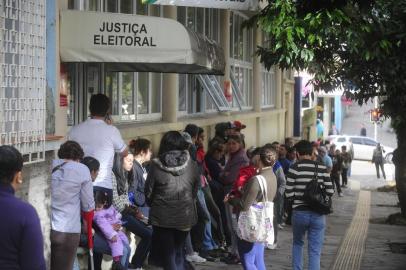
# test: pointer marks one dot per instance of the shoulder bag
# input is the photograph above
(316, 197)
(256, 224)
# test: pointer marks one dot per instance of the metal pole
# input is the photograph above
(376, 123)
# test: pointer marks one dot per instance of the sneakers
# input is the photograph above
(280, 226)
(195, 258)
(272, 246)
(340, 194)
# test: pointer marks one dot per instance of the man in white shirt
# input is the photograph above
(100, 140)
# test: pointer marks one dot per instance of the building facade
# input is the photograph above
(144, 104)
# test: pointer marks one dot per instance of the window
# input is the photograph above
(268, 88)
(356, 140)
(126, 6)
(369, 142)
(241, 53)
(193, 98)
(341, 139)
(134, 95)
(111, 5)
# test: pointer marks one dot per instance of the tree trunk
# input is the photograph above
(399, 159)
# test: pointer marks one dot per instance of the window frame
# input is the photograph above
(184, 17)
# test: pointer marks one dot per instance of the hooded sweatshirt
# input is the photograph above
(170, 191)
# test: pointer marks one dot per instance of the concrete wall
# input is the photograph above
(37, 191)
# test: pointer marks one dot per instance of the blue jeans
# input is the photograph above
(208, 242)
(140, 229)
(314, 224)
(251, 255)
(101, 246)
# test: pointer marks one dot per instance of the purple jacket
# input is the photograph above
(105, 219)
(233, 166)
(21, 243)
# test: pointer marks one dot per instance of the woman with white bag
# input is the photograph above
(254, 224)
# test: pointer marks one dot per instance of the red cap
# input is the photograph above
(239, 125)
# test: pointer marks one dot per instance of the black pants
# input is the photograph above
(335, 178)
(63, 250)
(344, 176)
(377, 165)
(167, 248)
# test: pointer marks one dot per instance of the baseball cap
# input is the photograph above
(238, 125)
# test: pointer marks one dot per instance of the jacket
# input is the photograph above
(234, 164)
(171, 190)
(252, 193)
(105, 219)
(21, 242)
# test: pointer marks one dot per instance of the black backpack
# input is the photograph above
(316, 197)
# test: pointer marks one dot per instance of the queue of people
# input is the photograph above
(183, 204)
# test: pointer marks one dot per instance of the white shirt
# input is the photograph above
(101, 141)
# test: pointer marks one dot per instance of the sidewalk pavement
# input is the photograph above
(280, 258)
(377, 253)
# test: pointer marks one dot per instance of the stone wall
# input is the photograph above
(36, 189)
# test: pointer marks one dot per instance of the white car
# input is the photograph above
(363, 147)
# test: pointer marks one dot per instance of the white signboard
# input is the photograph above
(124, 38)
(225, 4)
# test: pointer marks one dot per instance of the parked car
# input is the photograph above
(363, 147)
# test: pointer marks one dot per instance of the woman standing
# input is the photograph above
(132, 217)
(237, 159)
(71, 193)
(170, 190)
(142, 154)
(252, 254)
(21, 243)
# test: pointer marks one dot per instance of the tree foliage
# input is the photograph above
(357, 45)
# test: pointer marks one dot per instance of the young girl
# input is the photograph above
(109, 222)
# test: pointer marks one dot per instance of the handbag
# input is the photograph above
(256, 224)
(316, 197)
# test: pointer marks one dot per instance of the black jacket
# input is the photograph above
(171, 190)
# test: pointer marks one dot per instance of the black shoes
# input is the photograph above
(117, 266)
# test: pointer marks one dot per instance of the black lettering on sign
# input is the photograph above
(123, 34)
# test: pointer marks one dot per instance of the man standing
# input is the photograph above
(347, 159)
(363, 131)
(377, 158)
(283, 151)
(304, 219)
(100, 140)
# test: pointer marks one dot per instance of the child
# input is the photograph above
(109, 222)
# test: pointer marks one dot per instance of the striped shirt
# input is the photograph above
(299, 175)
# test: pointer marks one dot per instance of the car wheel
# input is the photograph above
(388, 158)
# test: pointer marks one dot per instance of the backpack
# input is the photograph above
(316, 197)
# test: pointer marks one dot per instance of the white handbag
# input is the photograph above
(256, 224)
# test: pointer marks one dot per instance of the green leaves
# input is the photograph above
(339, 41)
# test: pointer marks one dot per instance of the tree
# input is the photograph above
(356, 45)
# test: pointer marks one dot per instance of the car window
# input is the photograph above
(369, 142)
(341, 139)
(356, 140)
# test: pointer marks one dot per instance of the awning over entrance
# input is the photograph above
(138, 43)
